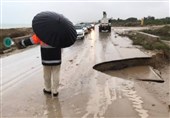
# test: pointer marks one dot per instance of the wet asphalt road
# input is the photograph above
(84, 92)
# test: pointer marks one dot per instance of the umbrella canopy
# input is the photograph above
(54, 29)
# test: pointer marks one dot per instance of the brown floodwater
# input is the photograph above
(143, 73)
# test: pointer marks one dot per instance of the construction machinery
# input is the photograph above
(105, 25)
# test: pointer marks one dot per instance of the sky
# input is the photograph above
(21, 12)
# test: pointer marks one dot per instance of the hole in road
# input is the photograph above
(133, 68)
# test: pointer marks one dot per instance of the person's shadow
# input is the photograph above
(53, 108)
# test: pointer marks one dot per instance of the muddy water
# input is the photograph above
(83, 92)
(143, 73)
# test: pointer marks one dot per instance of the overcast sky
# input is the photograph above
(23, 11)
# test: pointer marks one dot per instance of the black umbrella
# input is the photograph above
(54, 29)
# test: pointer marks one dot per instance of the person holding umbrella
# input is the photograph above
(52, 31)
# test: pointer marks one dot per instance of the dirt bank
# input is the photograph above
(163, 32)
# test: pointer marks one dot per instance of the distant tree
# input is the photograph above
(131, 19)
(149, 18)
(120, 19)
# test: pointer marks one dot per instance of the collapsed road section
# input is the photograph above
(135, 68)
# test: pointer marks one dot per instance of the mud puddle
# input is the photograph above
(143, 73)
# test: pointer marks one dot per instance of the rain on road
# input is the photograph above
(84, 92)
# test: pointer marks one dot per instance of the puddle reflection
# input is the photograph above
(53, 108)
(104, 35)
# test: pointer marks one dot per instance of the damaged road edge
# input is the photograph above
(129, 62)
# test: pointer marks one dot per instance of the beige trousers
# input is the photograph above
(51, 78)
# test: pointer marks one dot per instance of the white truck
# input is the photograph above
(105, 25)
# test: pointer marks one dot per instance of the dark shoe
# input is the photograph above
(46, 92)
(55, 94)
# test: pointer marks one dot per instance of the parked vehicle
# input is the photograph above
(80, 31)
(86, 31)
(92, 26)
(88, 25)
(104, 23)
